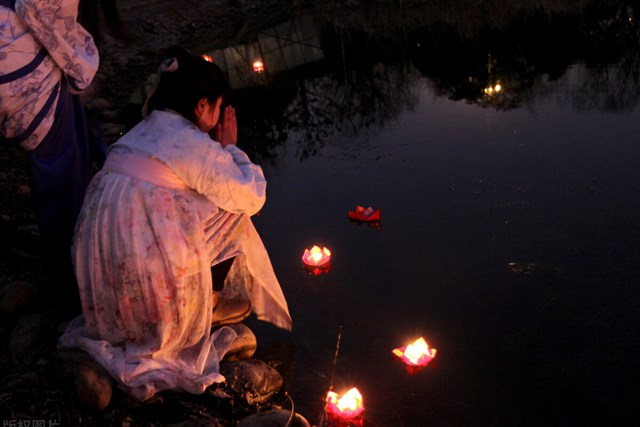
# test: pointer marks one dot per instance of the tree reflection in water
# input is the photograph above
(585, 52)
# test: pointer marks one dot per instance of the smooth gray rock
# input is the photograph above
(93, 389)
(244, 346)
(92, 385)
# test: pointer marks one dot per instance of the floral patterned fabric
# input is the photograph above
(33, 28)
(143, 254)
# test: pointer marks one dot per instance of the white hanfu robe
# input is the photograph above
(169, 203)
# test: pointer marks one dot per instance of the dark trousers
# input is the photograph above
(219, 273)
(60, 170)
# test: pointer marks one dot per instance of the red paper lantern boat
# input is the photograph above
(365, 214)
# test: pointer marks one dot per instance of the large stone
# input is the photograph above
(275, 418)
(28, 335)
(15, 298)
(93, 389)
(92, 385)
(244, 346)
(253, 380)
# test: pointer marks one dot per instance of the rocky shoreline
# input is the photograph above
(42, 386)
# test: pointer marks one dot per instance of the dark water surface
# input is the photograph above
(510, 224)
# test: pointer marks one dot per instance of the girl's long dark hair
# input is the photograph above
(194, 79)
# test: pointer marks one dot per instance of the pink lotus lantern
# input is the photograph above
(345, 410)
(416, 355)
(316, 256)
(317, 261)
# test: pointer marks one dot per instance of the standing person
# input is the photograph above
(170, 203)
(46, 59)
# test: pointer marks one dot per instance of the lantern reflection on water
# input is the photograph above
(416, 355)
(317, 261)
(493, 89)
(345, 410)
(258, 67)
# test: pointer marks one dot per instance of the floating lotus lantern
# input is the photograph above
(316, 260)
(362, 214)
(258, 67)
(345, 410)
(416, 355)
(207, 58)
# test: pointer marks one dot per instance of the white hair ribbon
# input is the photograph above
(169, 65)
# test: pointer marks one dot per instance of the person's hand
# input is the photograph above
(226, 132)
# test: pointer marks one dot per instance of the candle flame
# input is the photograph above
(348, 406)
(316, 256)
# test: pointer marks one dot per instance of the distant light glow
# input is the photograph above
(258, 67)
(492, 90)
(207, 58)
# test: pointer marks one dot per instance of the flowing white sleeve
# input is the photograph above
(71, 47)
(228, 178)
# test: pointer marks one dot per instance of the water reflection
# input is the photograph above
(345, 70)
(283, 47)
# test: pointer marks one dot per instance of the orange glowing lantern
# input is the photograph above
(207, 58)
(345, 410)
(416, 355)
(316, 256)
(258, 67)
